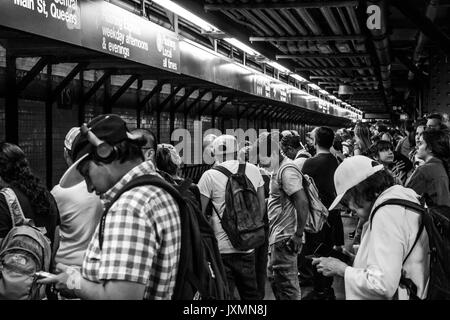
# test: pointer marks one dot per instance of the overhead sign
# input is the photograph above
(112, 30)
(376, 116)
(97, 25)
(56, 19)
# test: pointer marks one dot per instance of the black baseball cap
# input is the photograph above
(109, 128)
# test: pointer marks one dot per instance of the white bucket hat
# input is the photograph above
(350, 172)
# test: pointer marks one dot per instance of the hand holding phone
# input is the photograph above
(44, 275)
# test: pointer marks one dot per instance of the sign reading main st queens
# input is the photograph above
(97, 25)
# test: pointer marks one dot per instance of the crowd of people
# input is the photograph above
(108, 243)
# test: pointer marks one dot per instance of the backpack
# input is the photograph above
(201, 275)
(436, 221)
(24, 251)
(318, 212)
(242, 218)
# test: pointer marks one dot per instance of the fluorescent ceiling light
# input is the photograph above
(189, 16)
(323, 91)
(242, 46)
(278, 66)
(299, 78)
(314, 86)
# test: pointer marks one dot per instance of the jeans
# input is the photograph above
(283, 272)
(240, 270)
(261, 257)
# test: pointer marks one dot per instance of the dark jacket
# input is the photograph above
(431, 180)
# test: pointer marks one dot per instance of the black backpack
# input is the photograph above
(242, 219)
(201, 275)
(436, 221)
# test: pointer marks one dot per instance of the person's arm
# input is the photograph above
(380, 277)
(88, 290)
(300, 201)
(292, 184)
(262, 200)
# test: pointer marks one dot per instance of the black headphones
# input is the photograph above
(104, 152)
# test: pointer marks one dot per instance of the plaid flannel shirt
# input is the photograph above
(142, 238)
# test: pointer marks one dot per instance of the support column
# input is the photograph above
(107, 108)
(172, 113)
(11, 101)
(138, 108)
(81, 102)
(49, 129)
(158, 115)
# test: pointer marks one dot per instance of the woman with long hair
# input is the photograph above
(419, 129)
(36, 202)
(431, 179)
(362, 140)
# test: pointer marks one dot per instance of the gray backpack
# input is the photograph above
(318, 212)
(24, 251)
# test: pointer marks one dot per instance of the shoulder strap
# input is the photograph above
(399, 202)
(144, 180)
(408, 204)
(288, 165)
(223, 170)
(17, 216)
(241, 169)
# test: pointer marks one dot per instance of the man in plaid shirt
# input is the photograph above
(141, 239)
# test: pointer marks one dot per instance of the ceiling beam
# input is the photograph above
(343, 78)
(358, 82)
(332, 68)
(308, 38)
(424, 24)
(323, 56)
(410, 65)
(281, 5)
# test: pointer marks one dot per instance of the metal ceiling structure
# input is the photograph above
(329, 42)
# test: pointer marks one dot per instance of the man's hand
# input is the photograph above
(330, 267)
(294, 243)
(60, 280)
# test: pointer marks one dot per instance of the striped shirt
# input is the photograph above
(142, 238)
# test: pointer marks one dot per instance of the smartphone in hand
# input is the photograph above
(44, 275)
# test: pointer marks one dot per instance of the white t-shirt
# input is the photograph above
(80, 212)
(212, 184)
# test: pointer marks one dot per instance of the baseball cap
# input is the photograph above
(70, 137)
(350, 172)
(224, 144)
(109, 128)
(174, 155)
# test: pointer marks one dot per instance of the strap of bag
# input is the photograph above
(408, 283)
(290, 165)
(241, 168)
(228, 174)
(144, 180)
(223, 170)
(17, 216)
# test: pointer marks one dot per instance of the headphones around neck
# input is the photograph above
(104, 152)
